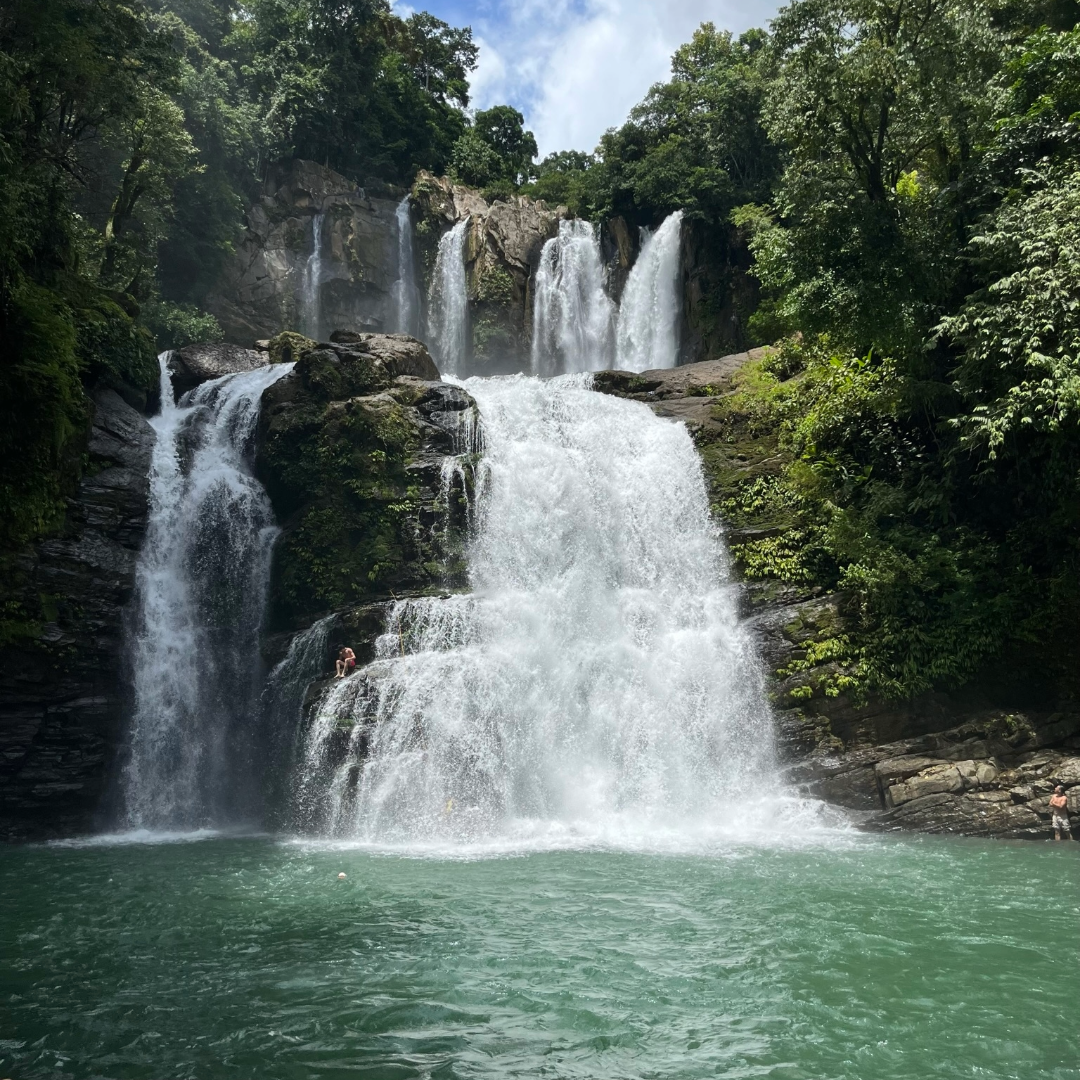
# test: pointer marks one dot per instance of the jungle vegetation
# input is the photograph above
(903, 174)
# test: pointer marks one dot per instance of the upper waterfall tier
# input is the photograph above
(573, 317)
(649, 315)
(575, 324)
(448, 303)
(406, 290)
(202, 581)
(595, 679)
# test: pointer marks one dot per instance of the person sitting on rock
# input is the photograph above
(346, 661)
(1059, 813)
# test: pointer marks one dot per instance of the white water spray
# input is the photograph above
(406, 292)
(573, 317)
(648, 328)
(448, 323)
(310, 300)
(202, 579)
(596, 679)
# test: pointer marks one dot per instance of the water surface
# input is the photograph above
(855, 958)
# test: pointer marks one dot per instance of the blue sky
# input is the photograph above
(577, 67)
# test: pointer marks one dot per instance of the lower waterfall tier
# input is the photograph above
(595, 676)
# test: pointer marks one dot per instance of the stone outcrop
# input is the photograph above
(195, 364)
(502, 252)
(351, 447)
(63, 694)
(262, 291)
(937, 764)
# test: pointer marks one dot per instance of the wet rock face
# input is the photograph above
(195, 364)
(63, 695)
(937, 764)
(502, 252)
(351, 447)
(262, 290)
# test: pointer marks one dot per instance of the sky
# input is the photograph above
(577, 67)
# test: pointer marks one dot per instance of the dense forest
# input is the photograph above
(905, 173)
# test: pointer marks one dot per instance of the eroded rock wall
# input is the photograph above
(262, 291)
(63, 695)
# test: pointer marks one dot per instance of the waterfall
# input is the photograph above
(595, 681)
(202, 579)
(406, 292)
(648, 327)
(284, 702)
(310, 303)
(573, 318)
(448, 325)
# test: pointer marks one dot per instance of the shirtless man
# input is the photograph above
(346, 661)
(1059, 811)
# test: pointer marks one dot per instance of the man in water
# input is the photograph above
(346, 661)
(1059, 813)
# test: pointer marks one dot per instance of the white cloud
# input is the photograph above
(577, 67)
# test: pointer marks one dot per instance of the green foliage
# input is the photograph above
(496, 152)
(1019, 373)
(39, 441)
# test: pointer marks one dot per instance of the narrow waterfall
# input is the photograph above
(406, 291)
(310, 304)
(573, 317)
(594, 683)
(447, 320)
(648, 328)
(202, 579)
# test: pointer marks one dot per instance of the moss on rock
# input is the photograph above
(350, 452)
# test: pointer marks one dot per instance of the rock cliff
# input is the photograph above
(964, 763)
(63, 693)
(502, 252)
(279, 278)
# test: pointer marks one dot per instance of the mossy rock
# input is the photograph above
(289, 346)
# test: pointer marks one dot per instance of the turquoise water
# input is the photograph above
(858, 957)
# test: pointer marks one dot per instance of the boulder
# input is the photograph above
(351, 447)
(195, 364)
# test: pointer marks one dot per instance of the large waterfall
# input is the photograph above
(648, 330)
(447, 318)
(573, 317)
(406, 292)
(311, 284)
(202, 581)
(595, 682)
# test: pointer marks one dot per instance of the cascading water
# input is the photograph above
(310, 303)
(573, 317)
(406, 291)
(202, 579)
(594, 682)
(648, 327)
(447, 321)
